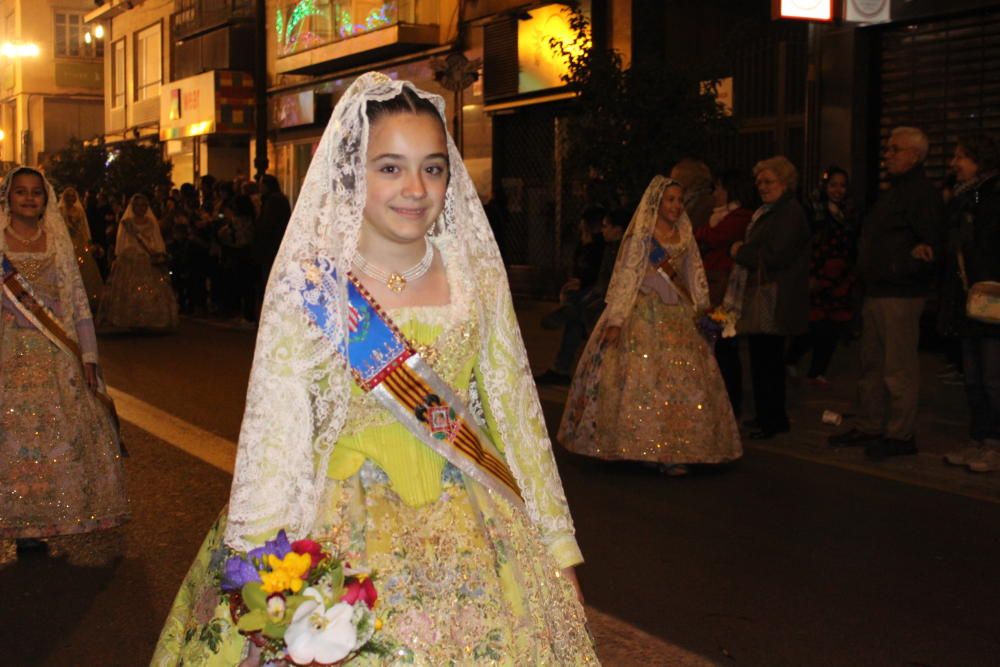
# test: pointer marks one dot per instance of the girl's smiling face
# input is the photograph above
(407, 176)
(27, 196)
(672, 204)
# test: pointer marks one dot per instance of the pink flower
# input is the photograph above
(363, 590)
(314, 550)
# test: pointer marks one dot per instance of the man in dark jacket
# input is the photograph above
(275, 211)
(899, 242)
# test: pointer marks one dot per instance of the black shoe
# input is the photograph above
(29, 546)
(852, 438)
(767, 433)
(552, 377)
(886, 447)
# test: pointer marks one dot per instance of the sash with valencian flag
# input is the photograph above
(22, 297)
(386, 365)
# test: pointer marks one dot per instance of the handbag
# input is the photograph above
(982, 301)
(760, 305)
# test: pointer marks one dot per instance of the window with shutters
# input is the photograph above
(118, 74)
(944, 77)
(70, 37)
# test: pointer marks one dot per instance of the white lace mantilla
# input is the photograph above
(299, 392)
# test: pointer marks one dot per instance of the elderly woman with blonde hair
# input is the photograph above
(768, 289)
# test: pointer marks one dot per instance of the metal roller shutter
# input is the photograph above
(942, 76)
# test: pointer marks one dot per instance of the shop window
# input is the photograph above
(148, 59)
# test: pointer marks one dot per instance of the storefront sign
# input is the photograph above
(812, 10)
(541, 66)
(723, 93)
(867, 11)
(213, 102)
(80, 75)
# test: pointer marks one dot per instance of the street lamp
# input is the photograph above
(19, 50)
(98, 33)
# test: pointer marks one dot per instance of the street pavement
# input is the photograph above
(797, 555)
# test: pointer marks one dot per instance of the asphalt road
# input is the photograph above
(772, 561)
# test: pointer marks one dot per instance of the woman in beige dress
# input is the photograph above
(79, 231)
(139, 294)
(648, 387)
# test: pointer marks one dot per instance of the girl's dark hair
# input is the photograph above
(33, 172)
(738, 187)
(406, 102)
(984, 150)
(827, 175)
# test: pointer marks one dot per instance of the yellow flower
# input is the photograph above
(286, 573)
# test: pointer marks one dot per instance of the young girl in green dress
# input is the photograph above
(474, 558)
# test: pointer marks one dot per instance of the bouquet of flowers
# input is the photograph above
(300, 604)
(711, 324)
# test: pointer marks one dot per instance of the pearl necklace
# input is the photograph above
(25, 241)
(397, 281)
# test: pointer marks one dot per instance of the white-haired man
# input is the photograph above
(897, 253)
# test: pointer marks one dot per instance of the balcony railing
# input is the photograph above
(306, 24)
(195, 16)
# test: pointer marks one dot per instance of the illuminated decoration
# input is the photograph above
(290, 35)
(812, 10)
(541, 66)
(376, 18)
(297, 32)
(99, 31)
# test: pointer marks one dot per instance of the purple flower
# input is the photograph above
(238, 572)
(279, 546)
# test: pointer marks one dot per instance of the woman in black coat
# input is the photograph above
(775, 288)
(975, 214)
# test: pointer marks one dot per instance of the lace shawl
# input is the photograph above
(74, 306)
(633, 257)
(299, 388)
(147, 229)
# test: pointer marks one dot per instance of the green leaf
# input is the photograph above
(253, 621)
(274, 631)
(254, 596)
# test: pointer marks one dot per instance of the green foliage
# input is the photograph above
(77, 165)
(134, 168)
(137, 168)
(254, 596)
(636, 122)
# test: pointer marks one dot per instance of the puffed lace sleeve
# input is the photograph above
(514, 419)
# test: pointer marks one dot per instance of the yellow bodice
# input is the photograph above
(450, 345)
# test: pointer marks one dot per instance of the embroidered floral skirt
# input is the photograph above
(60, 468)
(462, 581)
(655, 395)
(138, 295)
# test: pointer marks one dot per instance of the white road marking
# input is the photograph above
(618, 642)
(214, 450)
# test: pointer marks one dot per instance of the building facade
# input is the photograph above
(179, 75)
(51, 78)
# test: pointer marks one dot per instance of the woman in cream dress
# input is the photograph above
(138, 294)
(647, 387)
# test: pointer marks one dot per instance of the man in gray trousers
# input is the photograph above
(898, 247)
